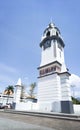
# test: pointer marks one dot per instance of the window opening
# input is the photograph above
(48, 33)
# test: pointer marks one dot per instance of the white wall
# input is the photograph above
(3, 100)
(29, 106)
(49, 88)
(26, 106)
(76, 109)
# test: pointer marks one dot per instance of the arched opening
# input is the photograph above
(48, 33)
(56, 33)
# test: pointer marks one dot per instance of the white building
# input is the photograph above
(6, 99)
(53, 81)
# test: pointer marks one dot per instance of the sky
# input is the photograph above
(22, 23)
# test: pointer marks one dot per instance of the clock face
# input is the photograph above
(47, 44)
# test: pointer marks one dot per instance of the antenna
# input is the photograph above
(51, 20)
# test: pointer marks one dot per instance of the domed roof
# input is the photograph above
(51, 30)
(52, 26)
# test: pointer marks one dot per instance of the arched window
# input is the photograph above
(48, 33)
(56, 33)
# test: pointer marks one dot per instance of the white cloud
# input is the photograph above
(8, 76)
(75, 83)
(6, 68)
(77, 93)
(75, 80)
(6, 79)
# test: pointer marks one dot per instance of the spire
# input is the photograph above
(19, 82)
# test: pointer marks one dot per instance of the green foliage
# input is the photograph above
(8, 91)
(75, 101)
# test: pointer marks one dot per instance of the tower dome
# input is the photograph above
(51, 32)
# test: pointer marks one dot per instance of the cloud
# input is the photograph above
(75, 83)
(6, 68)
(75, 80)
(77, 93)
(8, 76)
(6, 79)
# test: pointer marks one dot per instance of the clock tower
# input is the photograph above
(53, 81)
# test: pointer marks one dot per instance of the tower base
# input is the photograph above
(49, 106)
(56, 106)
(66, 107)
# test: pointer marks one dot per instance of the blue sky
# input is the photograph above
(22, 23)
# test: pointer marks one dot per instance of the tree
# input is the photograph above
(9, 91)
(75, 101)
(32, 89)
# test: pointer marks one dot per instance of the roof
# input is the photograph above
(19, 82)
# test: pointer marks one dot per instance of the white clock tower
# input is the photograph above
(53, 81)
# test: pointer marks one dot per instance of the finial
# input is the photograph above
(51, 20)
(51, 23)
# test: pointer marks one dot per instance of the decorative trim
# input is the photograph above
(55, 54)
(47, 74)
(49, 64)
(51, 38)
(65, 73)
